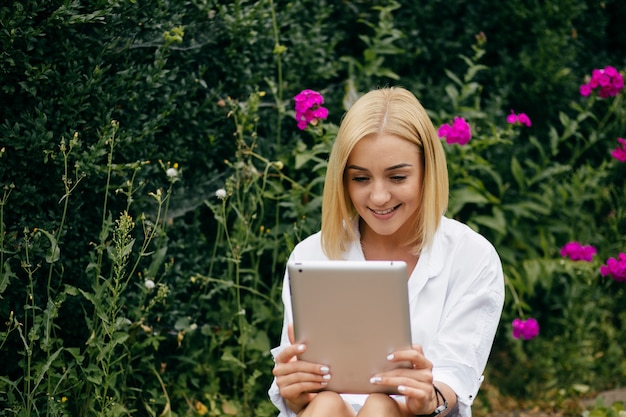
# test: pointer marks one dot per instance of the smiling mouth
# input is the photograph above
(383, 212)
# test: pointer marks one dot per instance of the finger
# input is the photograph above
(421, 379)
(291, 334)
(289, 353)
(422, 393)
(293, 367)
(419, 401)
(293, 385)
(420, 375)
(418, 394)
(295, 390)
(318, 379)
(415, 356)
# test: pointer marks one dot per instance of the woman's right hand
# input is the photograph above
(298, 380)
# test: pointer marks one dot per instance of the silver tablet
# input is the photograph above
(351, 315)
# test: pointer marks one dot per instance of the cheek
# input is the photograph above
(352, 194)
(358, 197)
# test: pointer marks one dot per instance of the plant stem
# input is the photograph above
(111, 143)
(279, 72)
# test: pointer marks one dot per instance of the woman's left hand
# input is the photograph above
(415, 383)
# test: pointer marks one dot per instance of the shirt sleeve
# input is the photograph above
(274, 392)
(469, 320)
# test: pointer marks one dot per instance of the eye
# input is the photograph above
(398, 178)
(360, 179)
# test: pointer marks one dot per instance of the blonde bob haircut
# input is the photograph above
(394, 111)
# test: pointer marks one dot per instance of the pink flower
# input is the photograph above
(585, 90)
(525, 329)
(511, 118)
(619, 153)
(577, 252)
(616, 268)
(309, 108)
(458, 132)
(608, 81)
(521, 118)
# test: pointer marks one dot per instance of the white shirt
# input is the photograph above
(456, 295)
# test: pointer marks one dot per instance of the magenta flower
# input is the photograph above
(521, 118)
(309, 108)
(585, 90)
(457, 132)
(619, 153)
(511, 118)
(616, 268)
(608, 81)
(525, 329)
(577, 252)
(524, 119)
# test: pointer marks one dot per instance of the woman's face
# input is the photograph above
(383, 177)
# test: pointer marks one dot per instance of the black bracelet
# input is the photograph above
(441, 406)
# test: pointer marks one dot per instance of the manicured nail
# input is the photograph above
(390, 357)
(326, 377)
(375, 380)
(401, 388)
(324, 383)
(324, 369)
(300, 348)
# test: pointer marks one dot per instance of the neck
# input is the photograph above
(387, 248)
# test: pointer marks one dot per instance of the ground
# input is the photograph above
(505, 407)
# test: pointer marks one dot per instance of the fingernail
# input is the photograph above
(324, 369)
(375, 380)
(390, 357)
(323, 383)
(300, 348)
(326, 377)
(401, 388)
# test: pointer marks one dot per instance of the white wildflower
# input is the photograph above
(221, 194)
(149, 284)
(172, 172)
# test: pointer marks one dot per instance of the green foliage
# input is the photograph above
(530, 195)
(154, 183)
(600, 409)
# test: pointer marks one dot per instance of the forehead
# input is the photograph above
(384, 149)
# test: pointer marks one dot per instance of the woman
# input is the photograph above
(385, 193)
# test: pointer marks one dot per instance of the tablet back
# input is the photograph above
(351, 315)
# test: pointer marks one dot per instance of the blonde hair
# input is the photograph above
(395, 111)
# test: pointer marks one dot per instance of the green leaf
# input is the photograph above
(119, 338)
(549, 172)
(228, 357)
(518, 173)
(45, 368)
(157, 260)
(462, 196)
(54, 253)
(7, 274)
(495, 222)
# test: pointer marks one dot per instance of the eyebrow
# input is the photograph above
(391, 168)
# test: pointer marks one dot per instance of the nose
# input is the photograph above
(379, 194)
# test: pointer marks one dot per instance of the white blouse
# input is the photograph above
(456, 295)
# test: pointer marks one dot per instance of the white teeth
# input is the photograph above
(383, 212)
